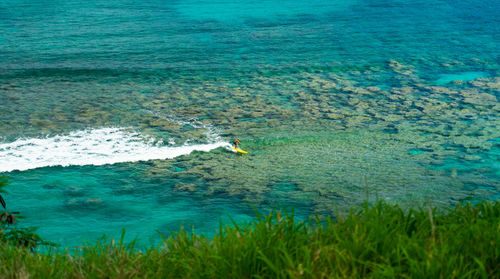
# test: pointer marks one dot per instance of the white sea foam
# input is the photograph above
(90, 147)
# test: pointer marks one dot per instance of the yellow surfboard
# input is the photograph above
(239, 150)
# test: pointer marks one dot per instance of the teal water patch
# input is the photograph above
(87, 202)
(465, 76)
(477, 171)
(383, 86)
(416, 151)
(271, 11)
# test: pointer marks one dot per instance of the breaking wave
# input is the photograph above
(91, 147)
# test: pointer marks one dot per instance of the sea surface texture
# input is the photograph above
(120, 114)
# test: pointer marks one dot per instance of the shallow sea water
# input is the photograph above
(118, 114)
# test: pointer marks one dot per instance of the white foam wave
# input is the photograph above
(90, 147)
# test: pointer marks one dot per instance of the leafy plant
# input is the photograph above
(3, 182)
(11, 234)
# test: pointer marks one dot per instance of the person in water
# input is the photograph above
(236, 142)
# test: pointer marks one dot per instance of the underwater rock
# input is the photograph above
(334, 116)
(373, 88)
(353, 101)
(322, 99)
(405, 90)
(457, 82)
(472, 157)
(47, 124)
(362, 105)
(196, 135)
(61, 117)
(163, 124)
(79, 205)
(162, 164)
(92, 201)
(393, 117)
(453, 173)
(493, 85)
(156, 172)
(257, 114)
(182, 186)
(74, 191)
(401, 69)
(72, 203)
(209, 95)
(471, 142)
(441, 90)
(396, 97)
(51, 186)
(356, 121)
(356, 90)
(126, 189)
(466, 114)
(472, 96)
(431, 106)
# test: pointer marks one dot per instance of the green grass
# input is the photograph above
(378, 241)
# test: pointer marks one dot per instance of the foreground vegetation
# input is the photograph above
(13, 235)
(375, 241)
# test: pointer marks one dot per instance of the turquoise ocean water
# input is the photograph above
(119, 114)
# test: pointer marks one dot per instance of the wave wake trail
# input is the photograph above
(90, 147)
